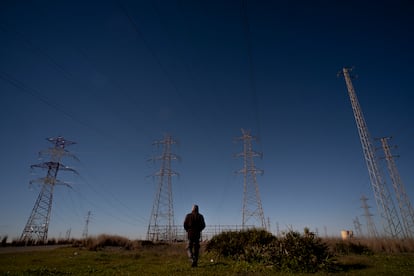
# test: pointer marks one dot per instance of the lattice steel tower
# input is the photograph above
(406, 209)
(385, 205)
(357, 226)
(85, 229)
(161, 225)
(252, 205)
(371, 229)
(37, 226)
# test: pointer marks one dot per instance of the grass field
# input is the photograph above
(172, 260)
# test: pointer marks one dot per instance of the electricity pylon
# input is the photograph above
(371, 229)
(161, 225)
(67, 236)
(37, 226)
(85, 230)
(385, 205)
(357, 226)
(252, 205)
(406, 209)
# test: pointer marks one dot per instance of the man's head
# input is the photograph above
(195, 208)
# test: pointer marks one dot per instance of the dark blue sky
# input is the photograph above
(116, 75)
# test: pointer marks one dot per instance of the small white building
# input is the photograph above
(347, 234)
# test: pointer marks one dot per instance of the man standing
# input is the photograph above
(194, 224)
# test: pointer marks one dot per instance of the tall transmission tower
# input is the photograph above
(161, 225)
(385, 205)
(85, 230)
(357, 226)
(371, 229)
(67, 236)
(406, 209)
(252, 205)
(37, 226)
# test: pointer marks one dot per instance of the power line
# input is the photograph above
(119, 89)
(20, 36)
(110, 201)
(39, 51)
(37, 95)
(170, 37)
(138, 31)
(101, 209)
(252, 73)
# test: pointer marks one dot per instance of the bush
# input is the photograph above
(292, 252)
(4, 241)
(303, 253)
(346, 248)
(51, 242)
(246, 245)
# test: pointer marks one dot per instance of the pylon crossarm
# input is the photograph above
(66, 168)
(44, 180)
(60, 152)
(54, 165)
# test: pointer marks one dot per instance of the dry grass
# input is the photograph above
(115, 255)
(389, 245)
(376, 245)
(105, 241)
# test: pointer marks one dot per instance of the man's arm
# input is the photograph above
(186, 223)
(203, 223)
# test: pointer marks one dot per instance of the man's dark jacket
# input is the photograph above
(194, 224)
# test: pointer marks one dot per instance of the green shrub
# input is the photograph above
(291, 253)
(246, 245)
(303, 253)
